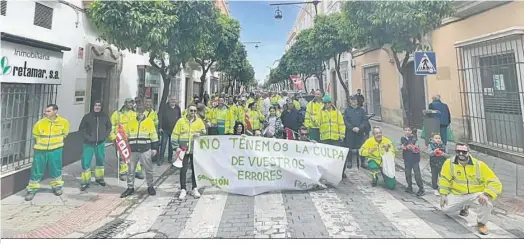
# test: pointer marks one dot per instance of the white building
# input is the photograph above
(50, 54)
(305, 20)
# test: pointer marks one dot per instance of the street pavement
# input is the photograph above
(354, 209)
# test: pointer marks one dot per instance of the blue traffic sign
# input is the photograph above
(425, 63)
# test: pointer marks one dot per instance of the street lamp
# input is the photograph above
(256, 43)
(278, 13)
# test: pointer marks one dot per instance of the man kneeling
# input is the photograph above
(465, 180)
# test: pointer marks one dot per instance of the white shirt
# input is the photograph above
(267, 104)
(283, 102)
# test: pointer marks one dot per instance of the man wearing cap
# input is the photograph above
(222, 118)
(332, 128)
(355, 120)
(465, 181)
(95, 127)
(122, 117)
(312, 118)
(143, 141)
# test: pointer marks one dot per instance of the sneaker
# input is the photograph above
(421, 192)
(128, 192)
(409, 190)
(83, 187)
(436, 192)
(182, 195)
(58, 192)
(30, 196)
(123, 177)
(195, 193)
(151, 191)
(483, 229)
(139, 176)
(464, 212)
(101, 182)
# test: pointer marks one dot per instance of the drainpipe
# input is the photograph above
(76, 9)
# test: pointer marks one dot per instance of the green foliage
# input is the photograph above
(236, 67)
(168, 30)
(399, 23)
(329, 35)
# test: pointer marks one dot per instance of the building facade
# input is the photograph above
(50, 54)
(305, 20)
(479, 75)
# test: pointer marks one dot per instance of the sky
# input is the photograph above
(259, 25)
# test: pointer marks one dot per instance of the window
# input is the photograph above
(43, 16)
(3, 7)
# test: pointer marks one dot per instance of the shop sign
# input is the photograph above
(25, 64)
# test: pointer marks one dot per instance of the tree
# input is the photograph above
(167, 30)
(234, 65)
(305, 58)
(217, 43)
(398, 27)
(331, 41)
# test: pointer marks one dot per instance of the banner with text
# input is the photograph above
(254, 165)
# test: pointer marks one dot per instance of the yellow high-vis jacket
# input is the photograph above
(377, 154)
(312, 118)
(256, 118)
(49, 134)
(241, 114)
(153, 115)
(185, 131)
(475, 177)
(142, 135)
(275, 99)
(120, 117)
(223, 118)
(332, 125)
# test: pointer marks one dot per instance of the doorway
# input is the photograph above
(100, 85)
(97, 91)
(416, 94)
(335, 86)
(372, 100)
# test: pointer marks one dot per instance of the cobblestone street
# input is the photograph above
(352, 210)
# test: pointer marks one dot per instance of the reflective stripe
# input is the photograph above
(477, 171)
(493, 190)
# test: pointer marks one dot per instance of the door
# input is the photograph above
(375, 94)
(501, 97)
(97, 91)
(416, 93)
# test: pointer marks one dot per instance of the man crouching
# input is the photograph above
(143, 140)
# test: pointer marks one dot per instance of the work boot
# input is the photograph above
(101, 182)
(84, 187)
(123, 177)
(58, 192)
(374, 182)
(30, 196)
(139, 176)
(409, 190)
(128, 192)
(483, 229)
(421, 192)
(464, 212)
(151, 191)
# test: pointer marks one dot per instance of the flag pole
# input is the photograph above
(115, 146)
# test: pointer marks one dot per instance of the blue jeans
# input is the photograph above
(165, 138)
(444, 134)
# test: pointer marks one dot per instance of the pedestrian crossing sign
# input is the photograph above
(425, 63)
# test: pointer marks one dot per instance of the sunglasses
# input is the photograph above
(461, 152)
(192, 110)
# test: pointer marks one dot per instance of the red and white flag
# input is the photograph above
(290, 135)
(248, 122)
(122, 144)
(297, 81)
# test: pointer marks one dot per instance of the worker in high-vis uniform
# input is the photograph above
(312, 118)
(465, 181)
(143, 141)
(332, 127)
(150, 111)
(256, 118)
(122, 117)
(186, 129)
(95, 128)
(241, 110)
(49, 133)
(222, 118)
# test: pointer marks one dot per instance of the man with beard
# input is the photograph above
(95, 127)
(143, 140)
(464, 181)
(355, 120)
(49, 134)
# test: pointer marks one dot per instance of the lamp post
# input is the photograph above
(256, 43)
(278, 12)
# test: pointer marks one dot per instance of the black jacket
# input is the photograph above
(95, 128)
(355, 117)
(291, 120)
(168, 117)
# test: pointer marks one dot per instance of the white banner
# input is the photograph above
(254, 165)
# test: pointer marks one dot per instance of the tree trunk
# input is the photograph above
(404, 94)
(304, 83)
(202, 84)
(320, 82)
(337, 69)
